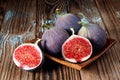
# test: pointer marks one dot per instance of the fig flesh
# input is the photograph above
(68, 21)
(52, 40)
(28, 56)
(76, 49)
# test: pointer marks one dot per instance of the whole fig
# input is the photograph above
(95, 33)
(68, 21)
(53, 38)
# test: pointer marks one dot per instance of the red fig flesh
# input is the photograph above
(27, 56)
(76, 49)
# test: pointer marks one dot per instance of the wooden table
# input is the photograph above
(20, 20)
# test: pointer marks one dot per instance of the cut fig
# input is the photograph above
(28, 56)
(76, 49)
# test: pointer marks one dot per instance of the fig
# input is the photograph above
(28, 56)
(95, 33)
(68, 21)
(53, 38)
(76, 49)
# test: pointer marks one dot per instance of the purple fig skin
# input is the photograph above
(96, 34)
(68, 21)
(53, 39)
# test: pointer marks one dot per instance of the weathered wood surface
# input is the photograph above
(20, 20)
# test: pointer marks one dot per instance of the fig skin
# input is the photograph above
(68, 21)
(96, 34)
(52, 40)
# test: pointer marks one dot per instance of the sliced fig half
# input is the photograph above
(76, 49)
(28, 56)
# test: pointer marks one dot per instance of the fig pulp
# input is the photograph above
(27, 56)
(76, 49)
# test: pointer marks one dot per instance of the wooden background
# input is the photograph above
(20, 20)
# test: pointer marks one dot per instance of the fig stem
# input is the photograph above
(83, 22)
(45, 26)
(73, 32)
(57, 11)
(81, 14)
(38, 40)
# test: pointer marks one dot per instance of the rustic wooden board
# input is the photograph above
(21, 21)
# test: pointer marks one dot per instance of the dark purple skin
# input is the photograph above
(53, 39)
(68, 21)
(96, 35)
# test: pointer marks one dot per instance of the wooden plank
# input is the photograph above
(13, 29)
(18, 26)
(109, 64)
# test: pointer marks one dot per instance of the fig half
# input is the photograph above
(76, 49)
(28, 56)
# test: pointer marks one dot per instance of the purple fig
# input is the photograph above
(68, 21)
(53, 38)
(95, 33)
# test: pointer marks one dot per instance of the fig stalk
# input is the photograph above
(38, 40)
(57, 11)
(73, 32)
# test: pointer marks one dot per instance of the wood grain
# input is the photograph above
(111, 21)
(21, 21)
